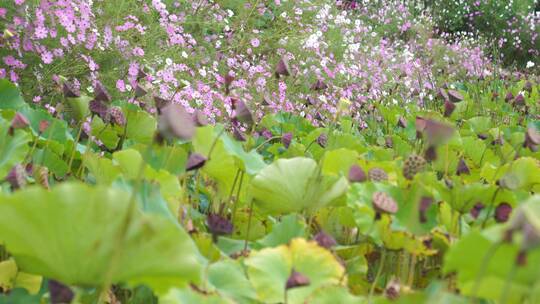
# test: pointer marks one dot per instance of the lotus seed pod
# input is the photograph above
(60, 293)
(41, 175)
(357, 174)
(218, 225)
(384, 203)
(502, 212)
(462, 167)
(322, 140)
(286, 139)
(455, 96)
(17, 177)
(195, 161)
(296, 279)
(116, 116)
(325, 240)
(413, 165)
(377, 175)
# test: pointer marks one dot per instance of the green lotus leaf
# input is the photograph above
(50, 160)
(360, 204)
(222, 166)
(251, 162)
(476, 150)
(104, 171)
(463, 197)
(347, 141)
(78, 107)
(13, 148)
(190, 296)
(10, 95)
(129, 162)
(172, 159)
(524, 173)
(423, 187)
(483, 268)
(141, 126)
(104, 132)
(269, 269)
(228, 278)
(296, 184)
(75, 233)
(57, 129)
(479, 124)
(288, 228)
(338, 161)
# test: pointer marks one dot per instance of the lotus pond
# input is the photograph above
(327, 152)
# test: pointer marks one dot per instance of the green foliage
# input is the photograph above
(129, 217)
(87, 236)
(494, 20)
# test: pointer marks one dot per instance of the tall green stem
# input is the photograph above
(379, 272)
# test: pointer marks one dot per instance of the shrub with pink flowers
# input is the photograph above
(512, 28)
(279, 151)
(363, 53)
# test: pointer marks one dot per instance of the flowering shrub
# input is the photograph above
(512, 27)
(278, 151)
(361, 52)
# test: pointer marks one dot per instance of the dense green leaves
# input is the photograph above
(85, 236)
(10, 96)
(13, 148)
(270, 268)
(297, 184)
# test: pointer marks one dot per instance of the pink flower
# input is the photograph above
(121, 85)
(255, 42)
(138, 52)
(47, 57)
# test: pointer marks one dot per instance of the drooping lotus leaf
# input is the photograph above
(141, 126)
(71, 234)
(269, 269)
(290, 227)
(10, 95)
(339, 161)
(78, 107)
(13, 148)
(524, 173)
(296, 184)
(476, 251)
(227, 156)
(228, 278)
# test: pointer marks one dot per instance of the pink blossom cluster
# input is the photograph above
(363, 55)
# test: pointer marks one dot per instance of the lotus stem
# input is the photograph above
(483, 267)
(237, 197)
(249, 224)
(379, 272)
(70, 163)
